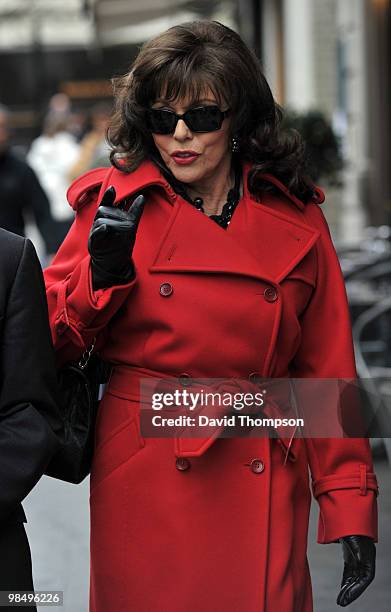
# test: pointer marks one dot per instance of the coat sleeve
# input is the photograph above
(77, 314)
(343, 479)
(29, 418)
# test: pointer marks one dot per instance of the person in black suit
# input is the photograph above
(29, 423)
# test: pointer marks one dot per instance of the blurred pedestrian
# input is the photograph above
(59, 104)
(21, 192)
(51, 155)
(78, 124)
(94, 148)
(29, 420)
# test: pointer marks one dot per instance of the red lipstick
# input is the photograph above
(184, 157)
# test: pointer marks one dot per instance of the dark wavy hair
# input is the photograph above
(186, 60)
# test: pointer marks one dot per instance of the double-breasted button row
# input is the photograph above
(166, 289)
(183, 464)
(270, 294)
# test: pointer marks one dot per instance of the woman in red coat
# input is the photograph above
(208, 524)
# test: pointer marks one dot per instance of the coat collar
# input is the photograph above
(261, 242)
(148, 175)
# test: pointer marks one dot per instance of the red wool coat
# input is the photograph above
(202, 526)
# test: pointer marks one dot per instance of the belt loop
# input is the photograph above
(363, 479)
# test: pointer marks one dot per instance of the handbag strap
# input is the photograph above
(84, 359)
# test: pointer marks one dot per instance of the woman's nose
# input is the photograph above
(182, 131)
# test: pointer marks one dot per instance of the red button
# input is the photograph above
(182, 464)
(166, 289)
(270, 294)
(257, 466)
(185, 379)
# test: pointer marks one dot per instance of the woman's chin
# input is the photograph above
(186, 174)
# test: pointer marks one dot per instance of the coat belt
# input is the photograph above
(125, 381)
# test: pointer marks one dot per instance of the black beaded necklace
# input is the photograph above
(233, 195)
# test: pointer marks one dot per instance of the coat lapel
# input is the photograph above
(260, 242)
(276, 241)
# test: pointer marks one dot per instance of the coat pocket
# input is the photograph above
(117, 437)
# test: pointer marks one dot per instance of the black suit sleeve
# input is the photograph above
(28, 393)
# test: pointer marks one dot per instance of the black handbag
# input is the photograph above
(79, 386)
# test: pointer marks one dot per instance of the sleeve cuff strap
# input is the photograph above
(362, 481)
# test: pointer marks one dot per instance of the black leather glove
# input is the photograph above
(359, 553)
(111, 240)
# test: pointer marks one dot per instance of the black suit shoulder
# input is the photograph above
(11, 249)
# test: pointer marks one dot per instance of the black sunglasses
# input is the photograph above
(200, 119)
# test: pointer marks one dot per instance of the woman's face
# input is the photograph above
(211, 149)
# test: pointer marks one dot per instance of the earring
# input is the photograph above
(235, 144)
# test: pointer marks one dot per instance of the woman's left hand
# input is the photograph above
(112, 239)
(359, 553)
